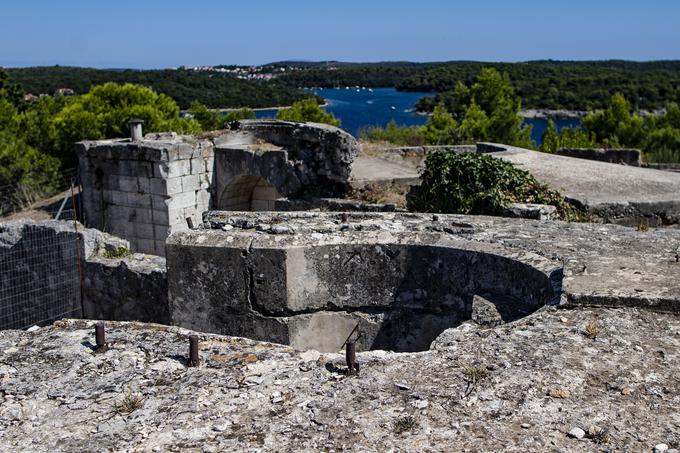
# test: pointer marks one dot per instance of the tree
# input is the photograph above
(10, 91)
(487, 111)
(567, 138)
(663, 145)
(25, 168)
(307, 110)
(241, 114)
(104, 112)
(209, 120)
(615, 126)
(441, 128)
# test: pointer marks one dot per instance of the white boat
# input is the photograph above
(393, 108)
(370, 90)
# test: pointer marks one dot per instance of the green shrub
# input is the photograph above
(566, 138)
(397, 135)
(471, 183)
(307, 111)
(117, 253)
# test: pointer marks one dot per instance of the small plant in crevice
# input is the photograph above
(643, 225)
(476, 374)
(592, 330)
(598, 435)
(117, 253)
(405, 423)
(128, 403)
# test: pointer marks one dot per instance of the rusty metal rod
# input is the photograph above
(100, 335)
(194, 359)
(351, 358)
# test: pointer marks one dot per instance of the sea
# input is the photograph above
(360, 108)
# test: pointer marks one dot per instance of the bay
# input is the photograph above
(359, 108)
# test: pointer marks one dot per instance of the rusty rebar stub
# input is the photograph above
(194, 358)
(100, 337)
(351, 358)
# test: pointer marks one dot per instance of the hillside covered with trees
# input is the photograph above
(214, 90)
(570, 85)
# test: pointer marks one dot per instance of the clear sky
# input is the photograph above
(170, 33)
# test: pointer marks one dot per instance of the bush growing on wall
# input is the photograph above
(479, 184)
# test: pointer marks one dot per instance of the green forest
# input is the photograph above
(214, 90)
(37, 135)
(570, 85)
(489, 109)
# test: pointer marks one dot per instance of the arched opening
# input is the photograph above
(248, 193)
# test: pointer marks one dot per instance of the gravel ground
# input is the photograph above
(612, 373)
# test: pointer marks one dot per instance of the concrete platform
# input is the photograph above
(614, 192)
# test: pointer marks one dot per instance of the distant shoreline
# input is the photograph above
(258, 109)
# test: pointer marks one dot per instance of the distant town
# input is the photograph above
(260, 73)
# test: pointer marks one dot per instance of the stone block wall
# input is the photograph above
(142, 191)
(134, 288)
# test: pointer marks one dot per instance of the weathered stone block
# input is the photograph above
(146, 246)
(144, 230)
(128, 184)
(182, 200)
(190, 183)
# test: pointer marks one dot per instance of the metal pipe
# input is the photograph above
(194, 359)
(351, 358)
(100, 335)
(136, 129)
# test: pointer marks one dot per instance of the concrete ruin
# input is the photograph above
(308, 279)
(531, 335)
(144, 190)
(612, 192)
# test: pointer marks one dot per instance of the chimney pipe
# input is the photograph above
(135, 129)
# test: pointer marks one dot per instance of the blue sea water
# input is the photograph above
(359, 108)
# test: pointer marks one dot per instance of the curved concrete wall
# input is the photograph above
(402, 291)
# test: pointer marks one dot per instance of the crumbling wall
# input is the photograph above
(134, 288)
(265, 279)
(142, 191)
(282, 158)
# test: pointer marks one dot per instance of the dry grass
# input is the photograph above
(129, 403)
(643, 225)
(405, 424)
(592, 330)
(476, 374)
(379, 193)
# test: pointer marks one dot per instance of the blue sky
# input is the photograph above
(169, 33)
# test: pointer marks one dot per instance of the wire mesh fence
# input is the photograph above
(40, 279)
